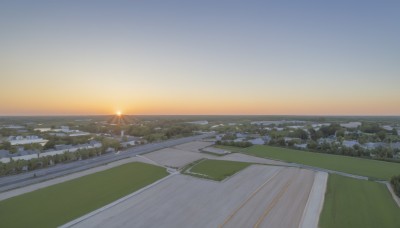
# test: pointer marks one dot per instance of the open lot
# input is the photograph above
(194, 146)
(176, 158)
(358, 203)
(60, 203)
(215, 151)
(261, 195)
(352, 165)
(248, 158)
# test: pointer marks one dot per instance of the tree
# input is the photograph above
(340, 133)
(300, 133)
(6, 145)
(110, 143)
(381, 135)
(370, 127)
(394, 131)
(312, 145)
(329, 130)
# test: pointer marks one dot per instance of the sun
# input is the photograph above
(119, 113)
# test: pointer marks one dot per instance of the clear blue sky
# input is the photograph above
(200, 57)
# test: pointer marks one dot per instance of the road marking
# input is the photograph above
(274, 202)
(249, 198)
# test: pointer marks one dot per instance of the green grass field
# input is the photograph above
(61, 203)
(358, 166)
(216, 169)
(358, 203)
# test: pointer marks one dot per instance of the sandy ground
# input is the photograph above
(194, 146)
(176, 158)
(269, 195)
(315, 202)
(30, 188)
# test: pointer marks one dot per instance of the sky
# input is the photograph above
(200, 57)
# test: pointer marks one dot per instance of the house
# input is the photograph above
(350, 143)
(63, 147)
(373, 145)
(330, 139)
(239, 140)
(200, 122)
(128, 144)
(351, 124)
(395, 145)
(241, 135)
(301, 146)
(257, 141)
(287, 139)
(387, 127)
(219, 137)
(4, 153)
(20, 140)
(266, 138)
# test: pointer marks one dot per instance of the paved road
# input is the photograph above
(23, 179)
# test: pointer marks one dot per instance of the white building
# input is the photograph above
(20, 140)
(351, 124)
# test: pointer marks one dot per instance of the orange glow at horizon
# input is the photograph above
(208, 106)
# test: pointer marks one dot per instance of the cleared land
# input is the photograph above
(357, 166)
(194, 146)
(251, 196)
(216, 151)
(358, 203)
(247, 158)
(60, 203)
(175, 157)
(216, 169)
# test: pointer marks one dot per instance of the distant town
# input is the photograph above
(33, 143)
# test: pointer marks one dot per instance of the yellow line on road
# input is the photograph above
(274, 202)
(247, 200)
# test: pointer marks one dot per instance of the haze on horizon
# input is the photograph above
(200, 57)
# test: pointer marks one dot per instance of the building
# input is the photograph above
(30, 139)
(200, 122)
(351, 124)
(350, 143)
(257, 141)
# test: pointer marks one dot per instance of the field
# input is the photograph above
(60, 203)
(358, 203)
(216, 169)
(352, 165)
